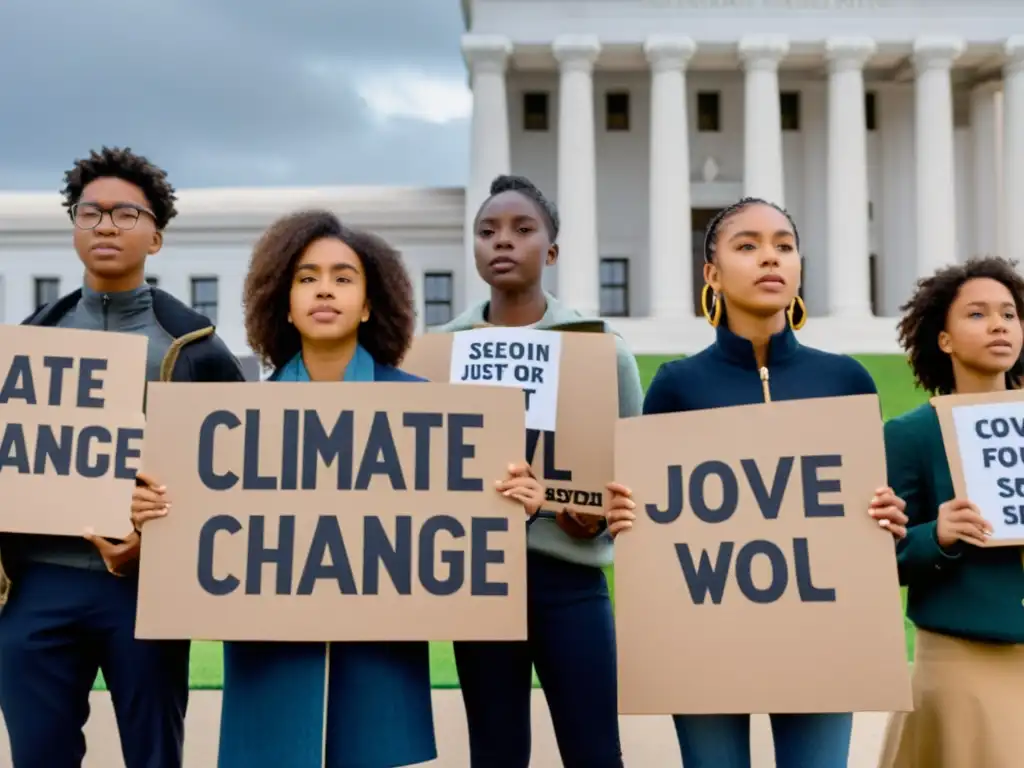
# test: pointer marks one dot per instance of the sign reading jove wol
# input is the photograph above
(306, 520)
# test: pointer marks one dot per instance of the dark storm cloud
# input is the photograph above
(230, 93)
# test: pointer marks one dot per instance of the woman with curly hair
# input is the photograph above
(962, 333)
(324, 302)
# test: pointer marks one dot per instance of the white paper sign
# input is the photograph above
(513, 357)
(991, 443)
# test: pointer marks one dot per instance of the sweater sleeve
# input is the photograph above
(631, 392)
(661, 395)
(918, 555)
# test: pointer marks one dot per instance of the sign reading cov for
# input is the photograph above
(754, 579)
(332, 512)
(71, 427)
(984, 438)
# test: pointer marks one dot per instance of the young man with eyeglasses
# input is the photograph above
(70, 610)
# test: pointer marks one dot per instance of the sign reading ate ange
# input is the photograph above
(332, 512)
(71, 427)
(984, 439)
(569, 445)
(754, 579)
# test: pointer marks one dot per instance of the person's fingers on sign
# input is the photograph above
(523, 486)
(149, 500)
(117, 556)
(621, 509)
(961, 520)
(889, 510)
(580, 525)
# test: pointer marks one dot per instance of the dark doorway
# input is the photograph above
(699, 220)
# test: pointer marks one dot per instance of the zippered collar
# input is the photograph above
(782, 347)
(113, 307)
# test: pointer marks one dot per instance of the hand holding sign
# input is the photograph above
(888, 509)
(117, 556)
(620, 512)
(522, 486)
(961, 520)
(149, 500)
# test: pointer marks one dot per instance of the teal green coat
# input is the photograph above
(971, 592)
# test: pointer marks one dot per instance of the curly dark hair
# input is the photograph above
(711, 234)
(386, 335)
(525, 187)
(926, 312)
(114, 162)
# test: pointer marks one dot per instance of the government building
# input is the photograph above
(892, 131)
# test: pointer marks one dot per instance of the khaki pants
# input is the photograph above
(968, 707)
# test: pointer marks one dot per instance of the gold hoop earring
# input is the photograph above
(712, 309)
(797, 313)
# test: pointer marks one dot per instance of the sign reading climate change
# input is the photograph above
(568, 383)
(984, 439)
(333, 512)
(70, 429)
(754, 571)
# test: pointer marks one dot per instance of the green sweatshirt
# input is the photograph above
(544, 534)
(971, 592)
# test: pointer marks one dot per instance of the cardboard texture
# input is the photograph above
(829, 636)
(394, 555)
(1007, 405)
(71, 438)
(576, 461)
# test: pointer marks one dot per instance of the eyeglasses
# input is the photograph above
(123, 215)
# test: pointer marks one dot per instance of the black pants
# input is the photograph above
(572, 645)
(59, 627)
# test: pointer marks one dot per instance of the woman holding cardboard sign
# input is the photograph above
(571, 630)
(752, 272)
(962, 333)
(326, 303)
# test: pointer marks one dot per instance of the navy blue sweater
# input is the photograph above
(726, 374)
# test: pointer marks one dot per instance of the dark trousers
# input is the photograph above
(59, 626)
(572, 645)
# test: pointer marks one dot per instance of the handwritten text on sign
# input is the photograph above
(71, 427)
(991, 438)
(720, 481)
(376, 520)
(523, 358)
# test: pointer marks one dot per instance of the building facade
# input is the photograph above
(892, 130)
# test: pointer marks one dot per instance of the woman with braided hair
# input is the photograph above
(751, 296)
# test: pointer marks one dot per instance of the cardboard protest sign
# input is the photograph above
(984, 439)
(570, 383)
(333, 511)
(754, 579)
(71, 429)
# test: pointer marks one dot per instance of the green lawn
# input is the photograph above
(898, 394)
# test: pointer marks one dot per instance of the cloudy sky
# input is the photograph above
(236, 92)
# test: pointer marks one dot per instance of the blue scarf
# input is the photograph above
(274, 693)
(360, 368)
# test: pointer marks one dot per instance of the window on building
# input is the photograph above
(789, 106)
(870, 111)
(153, 280)
(535, 111)
(204, 297)
(47, 290)
(438, 290)
(709, 109)
(615, 287)
(616, 111)
(875, 287)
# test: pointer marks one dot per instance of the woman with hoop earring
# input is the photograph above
(751, 297)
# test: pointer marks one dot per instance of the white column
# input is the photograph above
(1013, 148)
(762, 121)
(578, 265)
(671, 256)
(986, 185)
(487, 57)
(933, 153)
(849, 278)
